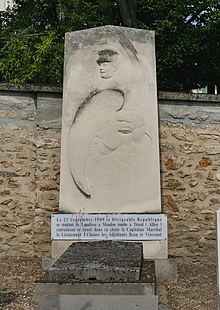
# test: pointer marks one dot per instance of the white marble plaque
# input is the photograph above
(109, 227)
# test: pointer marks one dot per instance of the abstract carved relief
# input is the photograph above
(109, 162)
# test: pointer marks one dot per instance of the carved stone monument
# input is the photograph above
(110, 143)
(110, 172)
(110, 152)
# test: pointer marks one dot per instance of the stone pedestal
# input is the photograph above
(122, 302)
(103, 261)
(102, 269)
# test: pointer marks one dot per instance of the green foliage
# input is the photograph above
(187, 37)
(15, 60)
(26, 59)
(32, 36)
(187, 41)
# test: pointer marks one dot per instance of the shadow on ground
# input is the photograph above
(6, 299)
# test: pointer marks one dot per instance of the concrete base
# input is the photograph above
(47, 262)
(122, 302)
(43, 290)
(166, 270)
(104, 268)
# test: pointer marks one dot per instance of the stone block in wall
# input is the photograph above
(49, 110)
(17, 175)
(47, 185)
(17, 109)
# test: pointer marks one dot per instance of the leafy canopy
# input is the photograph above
(187, 37)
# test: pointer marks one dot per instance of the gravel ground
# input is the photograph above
(195, 288)
(17, 278)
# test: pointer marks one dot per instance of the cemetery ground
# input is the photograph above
(195, 288)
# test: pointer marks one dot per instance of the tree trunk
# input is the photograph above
(128, 10)
(211, 88)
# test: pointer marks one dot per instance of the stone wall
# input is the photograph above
(30, 126)
(190, 164)
(30, 166)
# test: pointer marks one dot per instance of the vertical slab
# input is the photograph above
(110, 144)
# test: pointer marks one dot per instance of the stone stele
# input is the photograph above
(110, 145)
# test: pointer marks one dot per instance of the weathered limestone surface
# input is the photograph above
(30, 165)
(110, 144)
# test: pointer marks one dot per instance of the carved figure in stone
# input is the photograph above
(107, 62)
(107, 144)
(109, 123)
(91, 117)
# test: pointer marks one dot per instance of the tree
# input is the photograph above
(187, 37)
(128, 11)
(186, 52)
(32, 37)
